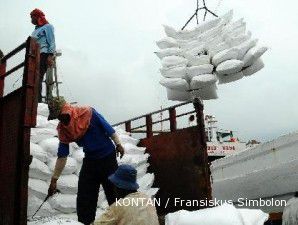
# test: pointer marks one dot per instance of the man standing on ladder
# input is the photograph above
(44, 35)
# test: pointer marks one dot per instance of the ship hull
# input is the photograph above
(268, 171)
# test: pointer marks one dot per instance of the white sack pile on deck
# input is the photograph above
(44, 147)
(225, 214)
(217, 50)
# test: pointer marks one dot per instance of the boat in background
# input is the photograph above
(220, 143)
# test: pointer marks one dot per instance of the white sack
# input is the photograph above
(253, 216)
(79, 166)
(245, 46)
(151, 192)
(50, 145)
(78, 155)
(38, 188)
(133, 160)
(170, 31)
(41, 121)
(38, 152)
(173, 61)
(218, 48)
(169, 52)
(202, 80)
(228, 78)
(68, 184)
(65, 203)
(53, 124)
(229, 67)
(133, 149)
(70, 167)
(167, 42)
(224, 215)
(197, 60)
(39, 170)
(175, 95)
(178, 84)
(39, 134)
(207, 25)
(142, 169)
(228, 54)
(197, 70)
(43, 110)
(145, 182)
(253, 54)
(234, 41)
(128, 139)
(206, 93)
(174, 72)
(257, 66)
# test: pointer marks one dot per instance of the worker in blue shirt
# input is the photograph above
(44, 35)
(86, 127)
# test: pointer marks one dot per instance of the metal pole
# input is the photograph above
(2, 72)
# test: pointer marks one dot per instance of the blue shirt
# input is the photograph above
(45, 37)
(96, 142)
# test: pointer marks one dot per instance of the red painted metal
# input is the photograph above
(178, 161)
(17, 115)
(128, 126)
(2, 72)
(173, 122)
(149, 126)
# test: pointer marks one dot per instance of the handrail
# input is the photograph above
(148, 125)
(154, 112)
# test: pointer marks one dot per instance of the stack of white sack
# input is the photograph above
(194, 60)
(43, 148)
(225, 214)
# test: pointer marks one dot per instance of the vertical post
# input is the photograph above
(2, 72)
(30, 101)
(173, 122)
(199, 107)
(128, 126)
(149, 126)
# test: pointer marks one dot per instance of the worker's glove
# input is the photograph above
(50, 61)
(53, 187)
(120, 150)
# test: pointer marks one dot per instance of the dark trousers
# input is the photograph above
(43, 66)
(94, 172)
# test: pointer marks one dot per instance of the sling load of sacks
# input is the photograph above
(43, 148)
(217, 50)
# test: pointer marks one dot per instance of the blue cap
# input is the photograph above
(125, 177)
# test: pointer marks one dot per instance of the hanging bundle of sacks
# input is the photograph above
(217, 50)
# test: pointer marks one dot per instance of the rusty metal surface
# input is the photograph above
(178, 160)
(17, 115)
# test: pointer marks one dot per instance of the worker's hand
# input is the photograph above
(50, 61)
(120, 150)
(53, 187)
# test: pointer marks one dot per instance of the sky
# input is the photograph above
(108, 58)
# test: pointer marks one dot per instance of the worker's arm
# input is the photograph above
(50, 37)
(110, 131)
(109, 217)
(63, 152)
